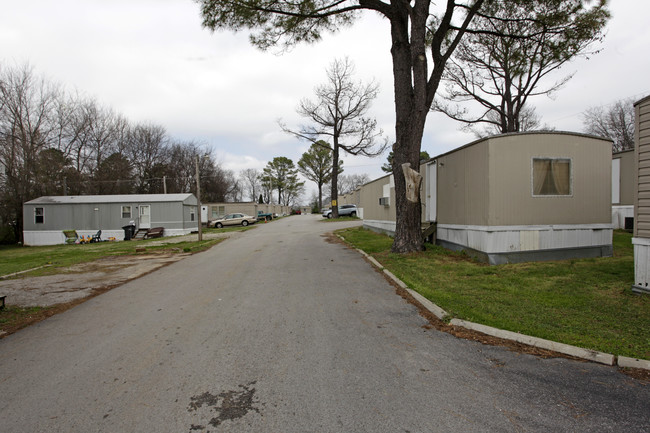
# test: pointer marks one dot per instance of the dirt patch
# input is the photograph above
(82, 280)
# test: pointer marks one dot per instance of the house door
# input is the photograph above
(145, 217)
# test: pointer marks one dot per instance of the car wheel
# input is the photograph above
(244, 223)
(218, 225)
(329, 215)
(353, 214)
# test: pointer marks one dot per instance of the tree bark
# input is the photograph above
(335, 180)
(409, 72)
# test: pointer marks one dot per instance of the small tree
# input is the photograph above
(281, 175)
(339, 113)
(615, 122)
(316, 165)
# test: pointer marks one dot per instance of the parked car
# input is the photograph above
(233, 219)
(344, 210)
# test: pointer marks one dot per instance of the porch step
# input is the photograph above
(429, 233)
(140, 234)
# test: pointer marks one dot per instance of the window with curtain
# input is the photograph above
(551, 176)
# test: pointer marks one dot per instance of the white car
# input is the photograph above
(344, 210)
(233, 219)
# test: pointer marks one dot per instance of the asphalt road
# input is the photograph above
(279, 330)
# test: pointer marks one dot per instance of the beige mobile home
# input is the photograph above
(641, 239)
(623, 189)
(513, 197)
(219, 210)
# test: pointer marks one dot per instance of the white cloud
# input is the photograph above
(151, 61)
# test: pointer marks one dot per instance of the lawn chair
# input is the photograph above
(71, 236)
(97, 237)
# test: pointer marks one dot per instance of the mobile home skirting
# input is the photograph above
(619, 214)
(56, 237)
(641, 265)
(514, 244)
(380, 226)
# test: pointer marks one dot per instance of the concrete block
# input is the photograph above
(437, 311)
(394, 278)
(578, 352)
(624, 361)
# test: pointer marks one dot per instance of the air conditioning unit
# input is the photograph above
(384, 201)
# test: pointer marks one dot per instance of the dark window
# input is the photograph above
(126, 211)
(38, 215)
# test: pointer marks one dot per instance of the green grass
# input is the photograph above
(341, 218)
(17, 259)
(586, 302)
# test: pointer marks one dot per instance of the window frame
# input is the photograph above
(36, 215)
(552, 159)
(130, 211)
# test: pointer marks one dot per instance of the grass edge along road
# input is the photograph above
(582, 302)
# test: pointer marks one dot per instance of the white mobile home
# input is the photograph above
(45, 218)
(512, 197)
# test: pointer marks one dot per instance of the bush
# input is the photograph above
(7, 235)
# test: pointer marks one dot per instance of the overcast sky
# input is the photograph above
(153, 62)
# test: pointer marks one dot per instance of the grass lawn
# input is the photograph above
(16, 259)
(586, 302)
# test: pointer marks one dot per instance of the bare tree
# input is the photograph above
(500, 73)
(148, 151)
(250, 179)
(26, 104)
(348, 183)
(615, 122)
(339, 114)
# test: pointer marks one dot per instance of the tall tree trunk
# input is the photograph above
(409, 72)
(335, 179)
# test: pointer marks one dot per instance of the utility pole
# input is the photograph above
(198, 198)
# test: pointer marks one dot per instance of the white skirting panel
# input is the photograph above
(515, 244)
(619, 213)
(56, 237)
(380, 226)
(506, 239)
(35, 238)
(641, 265)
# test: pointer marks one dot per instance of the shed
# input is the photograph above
(513, 197)
(641, 239)
(45, 218)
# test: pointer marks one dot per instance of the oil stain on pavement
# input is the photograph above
(227, 405)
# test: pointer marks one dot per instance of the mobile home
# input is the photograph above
(512, 197)
(45, 218)
(641, 239)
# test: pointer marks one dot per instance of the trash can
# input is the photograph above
(129, 231)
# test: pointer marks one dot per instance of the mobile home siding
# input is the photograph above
(375, 216)
(626, 177)
(88, 214)
(463, 186)
(513, 203)
(641, 239)
(642, 171)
